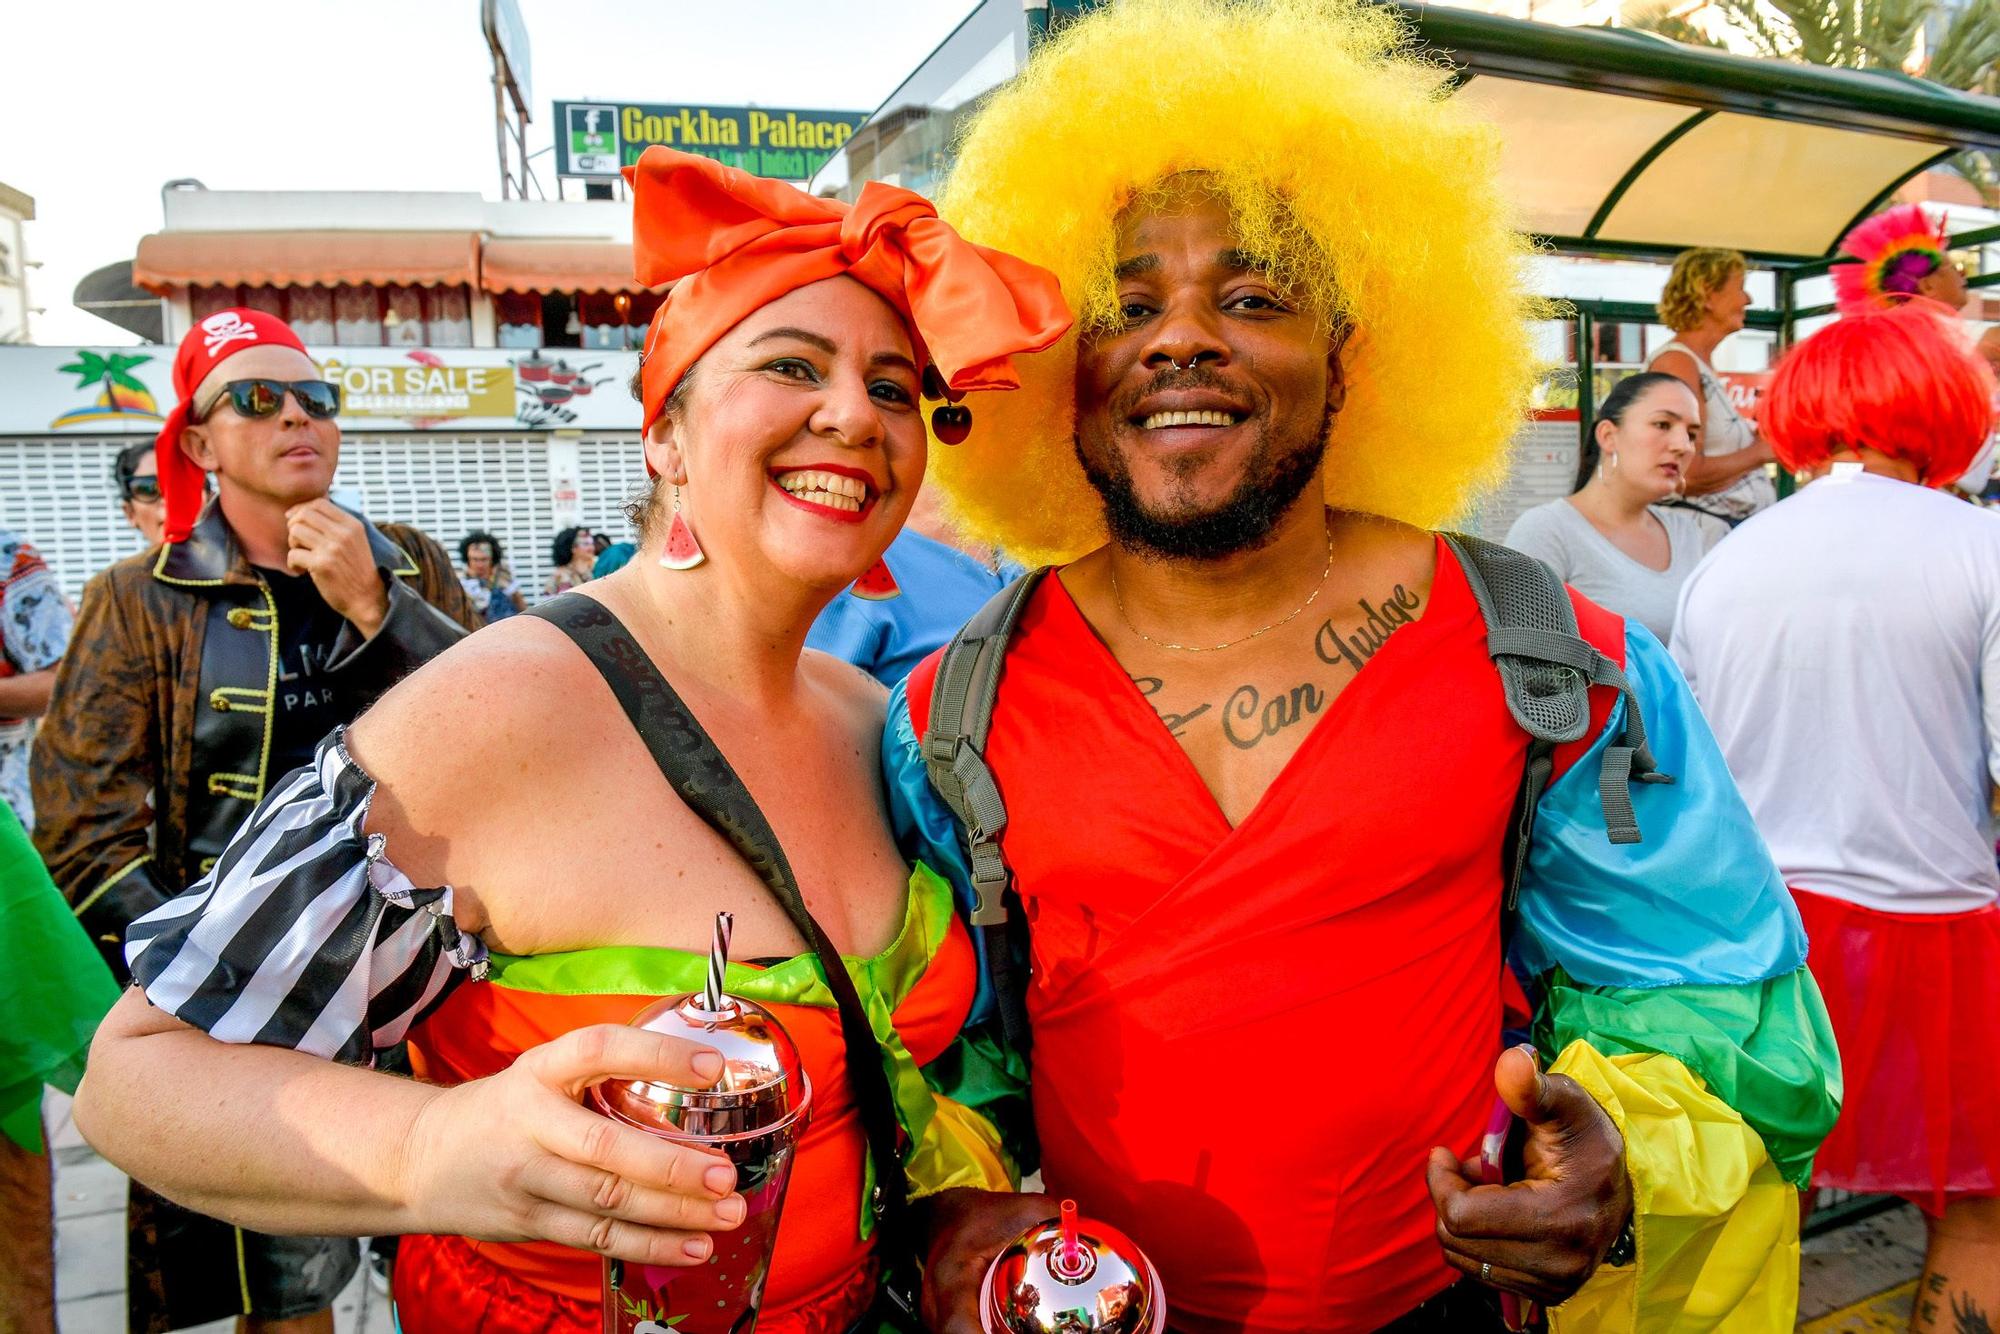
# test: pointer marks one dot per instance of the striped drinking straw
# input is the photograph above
(718, 959)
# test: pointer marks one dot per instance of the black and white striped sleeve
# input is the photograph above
(305, 934)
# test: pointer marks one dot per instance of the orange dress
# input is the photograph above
(822, 1280)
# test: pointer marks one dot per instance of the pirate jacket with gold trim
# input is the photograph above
(157, 739)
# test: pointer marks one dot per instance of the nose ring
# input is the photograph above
(1177, 366)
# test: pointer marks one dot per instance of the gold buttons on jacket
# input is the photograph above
(239, 617)
(218, 701)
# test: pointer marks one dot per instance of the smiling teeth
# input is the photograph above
(1160, 419)
(825, 488)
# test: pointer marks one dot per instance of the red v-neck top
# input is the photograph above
(1247, 1041)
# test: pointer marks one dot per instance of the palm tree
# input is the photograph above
(114, 372)
(1955, 44)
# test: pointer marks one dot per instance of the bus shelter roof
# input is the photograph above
(1620, 142)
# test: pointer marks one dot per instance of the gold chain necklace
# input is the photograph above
(1119, 597)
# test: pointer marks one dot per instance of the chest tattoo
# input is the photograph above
(1378, 622)
(1176, 723)
(1250, 717)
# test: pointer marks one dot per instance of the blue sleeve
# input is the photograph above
(1698, 901)
(925, 828)
(846, 630)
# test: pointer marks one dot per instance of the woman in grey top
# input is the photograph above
(1613, 541)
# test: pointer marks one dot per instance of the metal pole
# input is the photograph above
(527, 167)
(1586, 377)
(1038, 22)
(1787, 309)
(1788, 333)
(500, 130)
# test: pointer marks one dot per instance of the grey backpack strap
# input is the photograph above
(954, 750)
(1546, 669)
(954, 742)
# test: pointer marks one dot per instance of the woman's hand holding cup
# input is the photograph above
(516, 1157)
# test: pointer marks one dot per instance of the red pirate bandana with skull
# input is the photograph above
(211, 342)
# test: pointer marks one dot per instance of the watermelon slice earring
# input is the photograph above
(683, 552)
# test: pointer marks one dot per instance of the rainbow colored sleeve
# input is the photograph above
(1716, 1222)
(1671, 982)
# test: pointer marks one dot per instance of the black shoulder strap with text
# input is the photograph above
(702, 776)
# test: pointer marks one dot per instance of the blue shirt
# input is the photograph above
(939, 588)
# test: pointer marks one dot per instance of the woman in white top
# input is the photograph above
(1612, 541)
(1845, 646)
(1703, 303)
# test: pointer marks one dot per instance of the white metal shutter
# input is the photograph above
(1544, 469)
(612, 469)
(450, 484)
(57, 493)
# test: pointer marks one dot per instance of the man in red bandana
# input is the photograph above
(199, 673)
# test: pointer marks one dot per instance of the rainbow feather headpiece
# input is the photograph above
(1886, 257)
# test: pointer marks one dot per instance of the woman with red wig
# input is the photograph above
(1845, 645)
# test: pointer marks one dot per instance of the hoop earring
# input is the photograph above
(683, 552)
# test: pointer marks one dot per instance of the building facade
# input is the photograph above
(15, 210)
(484, 351)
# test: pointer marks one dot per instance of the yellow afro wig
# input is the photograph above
(1310, 116)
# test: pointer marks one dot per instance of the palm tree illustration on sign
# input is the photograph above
(124, 395)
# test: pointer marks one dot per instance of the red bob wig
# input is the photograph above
(1905, 382)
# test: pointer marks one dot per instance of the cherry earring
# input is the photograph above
(950, 422)
(683, 552)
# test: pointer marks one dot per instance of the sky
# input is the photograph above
(104, 101)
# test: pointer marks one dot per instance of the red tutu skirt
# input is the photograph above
(1915, 1004)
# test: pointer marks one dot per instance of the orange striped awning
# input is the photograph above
(521, 264)
(169, 260)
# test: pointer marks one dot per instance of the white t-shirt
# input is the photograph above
(1589, 562)
(1845, 645)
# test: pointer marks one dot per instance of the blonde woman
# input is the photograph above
(1704, 302)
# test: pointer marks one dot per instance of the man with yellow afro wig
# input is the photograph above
(1258, 768)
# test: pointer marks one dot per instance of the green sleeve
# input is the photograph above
(1766, 1048)
(981, 1072)
(53, 987)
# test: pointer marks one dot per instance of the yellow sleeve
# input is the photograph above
(958, 1147)
(1717, 1225)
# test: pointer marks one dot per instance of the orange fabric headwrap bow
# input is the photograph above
(737, 242)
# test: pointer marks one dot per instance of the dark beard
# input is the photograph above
(1273, 479)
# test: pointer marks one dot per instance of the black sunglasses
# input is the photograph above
(145, 489)
(263, 398)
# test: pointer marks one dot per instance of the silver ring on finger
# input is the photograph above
(1486, 1272)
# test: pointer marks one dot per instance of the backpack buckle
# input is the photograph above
(989, 886)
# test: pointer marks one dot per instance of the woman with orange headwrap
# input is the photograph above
(407, 885)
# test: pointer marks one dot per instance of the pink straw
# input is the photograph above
(1070, 1258)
